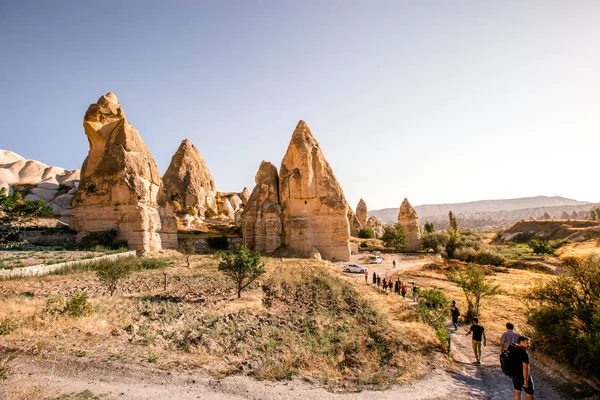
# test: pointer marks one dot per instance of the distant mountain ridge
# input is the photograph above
(492, 213)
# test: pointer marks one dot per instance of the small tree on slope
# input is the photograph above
(475, 285)
(242, 266)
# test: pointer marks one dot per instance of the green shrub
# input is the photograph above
(435, 242)
(489, 257)
(433, 309)
(75, 306)
(152, 263)
(540, 246)
(191, 211)
(111, 273)
(565, 314)
(466, 254)
(363, 245)
(394, 237)
(218, 243)
(8, 325)
(366, 233)
(210, 213)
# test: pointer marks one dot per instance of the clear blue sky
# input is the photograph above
(437, 101)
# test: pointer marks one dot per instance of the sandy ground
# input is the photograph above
(37, 378)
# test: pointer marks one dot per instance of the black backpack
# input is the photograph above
(510, 361)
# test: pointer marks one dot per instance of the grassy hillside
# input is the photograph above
(303, 318)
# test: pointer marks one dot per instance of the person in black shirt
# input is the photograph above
(454, 314)
(478, 336)
(523, 381)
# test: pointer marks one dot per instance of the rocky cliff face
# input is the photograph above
(188, 180)
(407, 217)
(38, 181)
(376, 226)
(261, 219)
(120, 185)
(314, 209)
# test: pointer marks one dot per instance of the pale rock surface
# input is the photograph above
(236, 202)
(245, 195)
(355, 225)
(228, 210)
(120, 185)
(362, 213)
(407, 217)
(376, 226)
(188, 180)
(261, 219)
(314, 209)
(7, 156)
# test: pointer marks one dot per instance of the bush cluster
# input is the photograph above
(565, 314)
(366, 233)
(467, 246)
(75, 306)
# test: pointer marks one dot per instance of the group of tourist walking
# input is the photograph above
(399, 287)
(513, 347)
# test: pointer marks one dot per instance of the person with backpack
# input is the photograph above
(509, 337)
(454, 314)
(517, 364)
(374, 278)
(478, 332)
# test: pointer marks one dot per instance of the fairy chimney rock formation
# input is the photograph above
(376, 226)
(261, 221)
(407, 217)
(120, 185)
(314, 209)
(362, 213)
(188, 180)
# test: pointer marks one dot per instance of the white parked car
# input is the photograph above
(355, 268)
(375, 260)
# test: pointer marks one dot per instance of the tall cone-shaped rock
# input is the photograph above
(261, 219)
(362, 213)
(120, 185)
(188, 180)
(314, 209)
(407, 217)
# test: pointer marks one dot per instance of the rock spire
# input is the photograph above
(407, 217)
(188, 180)
(120, 185)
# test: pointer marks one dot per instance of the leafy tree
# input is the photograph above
(453, 243)
(595, 214)
(16, 212)
(243, 267)
(475, 285)
(453, 224)
(366, 233)
(188, 249)
(540, 246)
(435, 242)
(565, 314)
(433, 309)
(111, 274)
(394, 237)
(429, 227)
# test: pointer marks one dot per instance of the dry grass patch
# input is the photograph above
(302, 317)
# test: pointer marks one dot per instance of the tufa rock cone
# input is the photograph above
(407, 217)
(188, 180)
(362, 213)
(120, 185)
(376, 226)
(261, 220)
(314, 209)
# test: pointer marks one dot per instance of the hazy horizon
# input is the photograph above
(437, 102)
